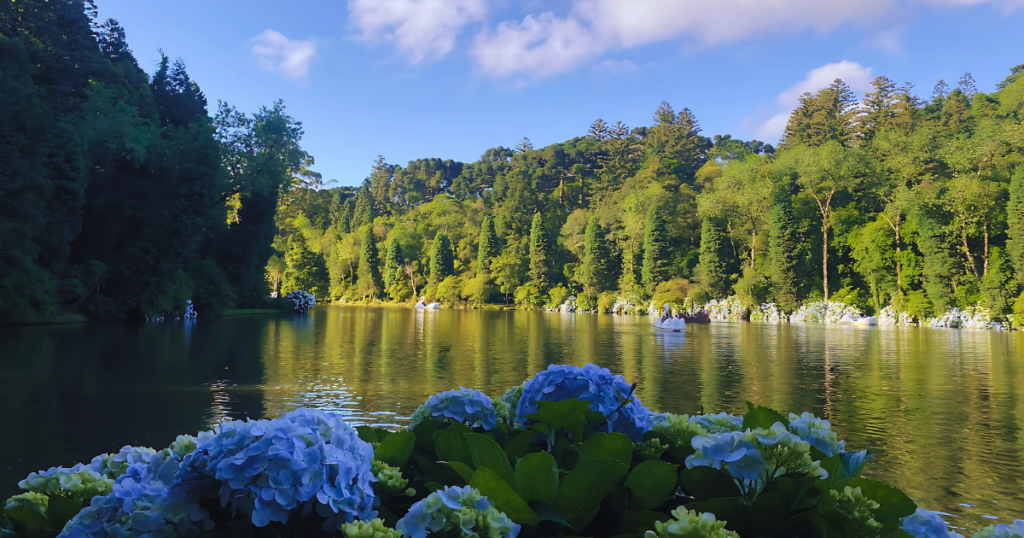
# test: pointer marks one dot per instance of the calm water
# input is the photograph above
(941, 409)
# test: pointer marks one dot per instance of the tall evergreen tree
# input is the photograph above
(487, 248)
(370, 284)
(654, 237)
(364, 212)
(442, 259)
(1015, 225)
(591, 272)
(394, 275)
(782, 246)
(538, 254)
(827, 115)
(710, 272)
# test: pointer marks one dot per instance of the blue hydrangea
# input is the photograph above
(756, 456)
(143, 503)
(740, 457)
(468, 406)
(604, 392)
(80, 483)
(817, 432)
(462, 509)
(928, 524)
(719, 423)
(306, 459)
(1002, 530)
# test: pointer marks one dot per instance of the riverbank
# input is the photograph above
(52, 319)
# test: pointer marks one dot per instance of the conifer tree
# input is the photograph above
(538, 254)
(369, 283)
(394, 275)
(710, 271)
(591, 271)
(442, 259)
(363, 213)
(487, 248)
(1015, 225)
(782, 245)
(654, 238)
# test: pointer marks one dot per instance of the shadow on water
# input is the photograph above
(941, 409)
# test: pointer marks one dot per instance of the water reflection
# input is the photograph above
(941, 409)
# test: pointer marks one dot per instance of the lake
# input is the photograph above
(941, 409)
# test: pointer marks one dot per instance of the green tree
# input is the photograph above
(825, 116)
(442, 259)
(487, 247)
(591, 272)
(710, 272)
(538, 254)
(394, 276)
(997, 286)
(1015, 225)
(654, 235)
(369, 284)
(782, 246)
(276, 268)
(305, 270)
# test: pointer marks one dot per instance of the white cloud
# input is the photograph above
(853, 74)
(420, 29)
(538, 46)
(889, 40)
(279, 54)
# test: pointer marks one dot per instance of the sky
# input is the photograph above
(411, 79)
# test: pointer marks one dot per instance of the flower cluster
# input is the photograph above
(368, 529)
(719, 423)
(190, 312)
(889, 316)
(467, 406)
(605, 393)
(1002, 530)
(824, 312)
(769, 313)
(972, 317)
(855, 511)
(142, 503)
(115, 465)
(79, 483)
(679, 429)
(755, 456)
(390, 481)
(690, 524)
(817, 432)
(303, 300)
(267, 468)
(927, 524)
(505, 407)
(457, 508)
(728, 309)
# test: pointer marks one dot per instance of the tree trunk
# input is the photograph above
(753, 246)
(967, 250)
(824, 257)
(899, 259)
(985, 253)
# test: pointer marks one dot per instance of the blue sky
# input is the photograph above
(450, 78)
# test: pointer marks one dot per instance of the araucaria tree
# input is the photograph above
(654, 236)
(538, 254)
(442, 260)
(369, 284)
(710, 272)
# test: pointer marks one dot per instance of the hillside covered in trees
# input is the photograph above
(122, 194)
(892, 198)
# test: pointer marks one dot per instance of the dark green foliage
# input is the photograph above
(442, 259)
(370, 284)
(1015, 225)
(487, 247)
(591, 273)
(538, 254)
(782, 245)
(395, 282)
(305, 270)
(710, 273)
(997, 286)
(653, 271)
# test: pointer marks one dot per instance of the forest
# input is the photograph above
(122, 194)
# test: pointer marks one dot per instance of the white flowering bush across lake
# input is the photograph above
(570, 452)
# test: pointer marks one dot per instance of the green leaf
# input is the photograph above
(505, 498)
(762, 417)
(450, 445)
(731, 510)
(465, 471)
(650, 484)
(586, 486)
(537, 477)
(367, 434)
(486, 453)
(636, 523)
(570, 415)
(706, 483)
(893, 503)
(25, 515)
(396, 448)
(425, 434)
(614, 446)
(60, 510)
(782, 499)
(521, 445)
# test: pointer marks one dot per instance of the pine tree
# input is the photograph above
(487, 248)
(598, 130)
(1015, 225)
(363, 213)
(654, 238)
(822, 117)
(538, 254)
(369, 283)
(442, 259)
(782, 245)
(997, 286)
(591, 271)
(877, 108)
(710, 271)
(394, 275)
(524, 145)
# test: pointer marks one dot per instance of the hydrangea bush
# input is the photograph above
(303, 300)
(569, 452)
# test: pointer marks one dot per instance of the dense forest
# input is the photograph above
(892, 199)
(122, 194)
